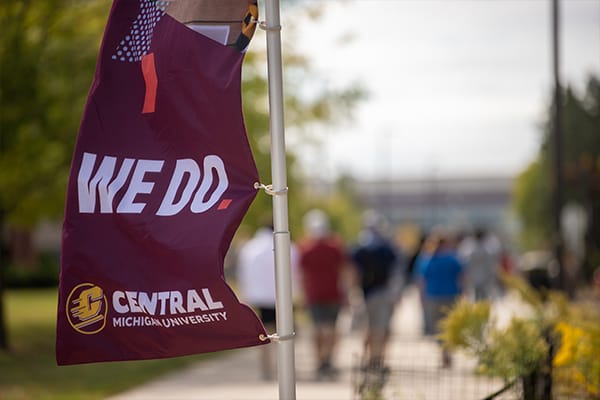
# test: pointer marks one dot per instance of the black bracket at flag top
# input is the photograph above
(230, 22)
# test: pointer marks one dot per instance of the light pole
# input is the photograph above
(556, 148)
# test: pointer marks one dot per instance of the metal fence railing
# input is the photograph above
(418, 375)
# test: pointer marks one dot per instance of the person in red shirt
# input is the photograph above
(322, 261)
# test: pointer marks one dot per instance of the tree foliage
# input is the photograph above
(48, 51)
(580, 172)
(531, 199)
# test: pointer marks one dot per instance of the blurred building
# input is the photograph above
(456, 202)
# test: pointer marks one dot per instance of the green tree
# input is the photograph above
(580, 173)
(533, 209)
(48, 51)
(47, 56)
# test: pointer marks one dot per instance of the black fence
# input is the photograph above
(417, 372)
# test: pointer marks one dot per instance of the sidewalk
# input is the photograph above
(414, 362)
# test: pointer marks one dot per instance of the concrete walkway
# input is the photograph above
(414, 362)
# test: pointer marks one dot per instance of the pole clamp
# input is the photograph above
(263, 25)
(276, 338)
(269, 189)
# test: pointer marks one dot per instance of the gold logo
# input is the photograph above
(87, 308)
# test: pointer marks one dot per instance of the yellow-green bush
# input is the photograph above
(568, 329)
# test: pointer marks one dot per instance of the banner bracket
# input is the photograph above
(276, 338)
(269, 189)
(263, 25)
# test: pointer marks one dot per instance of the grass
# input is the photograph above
(29, 370)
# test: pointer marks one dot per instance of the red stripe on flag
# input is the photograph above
(149, 72)
(224, 204)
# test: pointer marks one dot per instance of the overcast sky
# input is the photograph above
(456, 87)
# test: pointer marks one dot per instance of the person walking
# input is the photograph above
(481, 256)
(256, 284)
(440, 279)
(378, 271)
(322, 265)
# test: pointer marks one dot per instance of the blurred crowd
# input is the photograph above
(367, 278)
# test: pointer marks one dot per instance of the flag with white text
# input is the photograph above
(161, 177)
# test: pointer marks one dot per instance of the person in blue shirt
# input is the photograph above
(440, 277)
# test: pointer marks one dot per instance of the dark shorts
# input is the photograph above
(435, 309)
(324, 313)
(267, 315)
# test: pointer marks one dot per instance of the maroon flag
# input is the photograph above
(161, 177)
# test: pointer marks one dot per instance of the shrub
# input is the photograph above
(43, 274)
(561, 331)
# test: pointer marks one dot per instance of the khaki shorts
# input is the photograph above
(380, 307)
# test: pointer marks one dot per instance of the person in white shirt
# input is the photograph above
(481, 255)
(256, 283)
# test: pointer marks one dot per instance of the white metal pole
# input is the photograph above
(283, 277)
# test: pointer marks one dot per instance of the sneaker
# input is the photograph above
(446, 359)
(326, 370)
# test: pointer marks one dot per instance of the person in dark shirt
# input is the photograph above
(377, 265)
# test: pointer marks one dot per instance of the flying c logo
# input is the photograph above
(87, 308)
